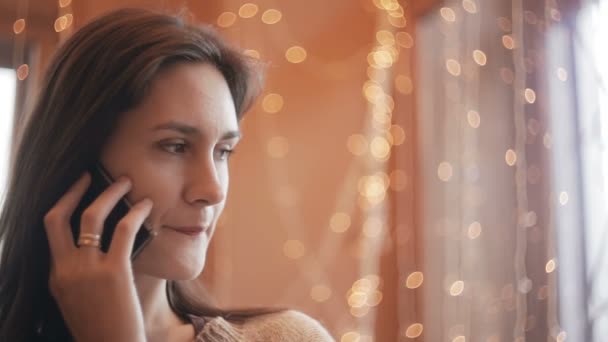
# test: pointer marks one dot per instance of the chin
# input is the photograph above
(170, 265)
(171, 269)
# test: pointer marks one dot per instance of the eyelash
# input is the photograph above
(226, 152)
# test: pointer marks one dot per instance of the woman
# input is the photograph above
(157, 102)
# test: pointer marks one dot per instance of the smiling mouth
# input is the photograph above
(191, 231)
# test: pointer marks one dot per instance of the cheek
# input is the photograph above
(161, 190)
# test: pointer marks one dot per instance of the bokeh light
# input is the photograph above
(296, 54)
(226, 19)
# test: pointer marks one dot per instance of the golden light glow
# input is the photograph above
(404, 39)
(390, 5)
(383, 59)
(398, 134)
(385, 37)
(271, 16)
(459, 339)
(64, 3)
(357, 144)
(272, 103)
(414, 330)
(296, 54)
(448, 14)
(562, 74)
(252, 53)
(404, 84)
(277, 147)
(362, 285)
(226, 19)
(61, 23)
(380, 148)
(398, 22)
(453, 67)
(339, 222)
(373, 279)
(372, 227)
(473, 118)
(373, 92)
(374, 298)
(457, 288)
(350, 336)
(23, 71)
(248, 10)
(398, 180)
(480, 57)
(381, 117)
(293, 249)
(508, 42)
(357, 299)
(561, 337)
(550, 266)
(320, 293)
(397, 13)
(372, 187)
(563, 198)
(469, 6)
(70, 19)
(359, 312)
(19, 26)
(510, 157)
(444, 171)
(474, 230)
(414, 280)
(530, 95)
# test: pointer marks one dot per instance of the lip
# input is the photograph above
(191, 231)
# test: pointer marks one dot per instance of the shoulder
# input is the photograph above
(283, 326)
(288, 325)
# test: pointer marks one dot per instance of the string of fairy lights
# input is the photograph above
(366, 173)
(461, 92)
(369, 180)
(364, 293)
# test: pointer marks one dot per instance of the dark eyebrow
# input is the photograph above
(191, 130)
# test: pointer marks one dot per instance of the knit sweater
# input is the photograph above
(286, 326)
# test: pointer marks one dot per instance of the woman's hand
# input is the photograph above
(95, 291)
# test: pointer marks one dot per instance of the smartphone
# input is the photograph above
(100, 180)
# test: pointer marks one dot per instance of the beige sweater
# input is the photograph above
(286, 326)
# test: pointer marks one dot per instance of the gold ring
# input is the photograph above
(88, 242)
(90, 236)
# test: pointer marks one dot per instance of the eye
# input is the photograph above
(225, 153)
(175, 147)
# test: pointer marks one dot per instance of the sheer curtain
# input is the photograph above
(486, 146)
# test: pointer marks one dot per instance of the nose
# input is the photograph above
(205, 183)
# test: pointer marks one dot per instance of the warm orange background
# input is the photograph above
(292, 198)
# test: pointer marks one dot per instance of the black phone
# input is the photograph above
(100, 180)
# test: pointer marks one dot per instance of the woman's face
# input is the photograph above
(174, 147)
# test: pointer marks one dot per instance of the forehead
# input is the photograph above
(193, 93)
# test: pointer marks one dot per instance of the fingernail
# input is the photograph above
(124, 179)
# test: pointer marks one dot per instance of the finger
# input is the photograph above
(57, 220)
(94, 216)
(127, 228)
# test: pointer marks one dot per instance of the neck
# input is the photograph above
(159, 318)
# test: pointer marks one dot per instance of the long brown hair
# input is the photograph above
(101, 72)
